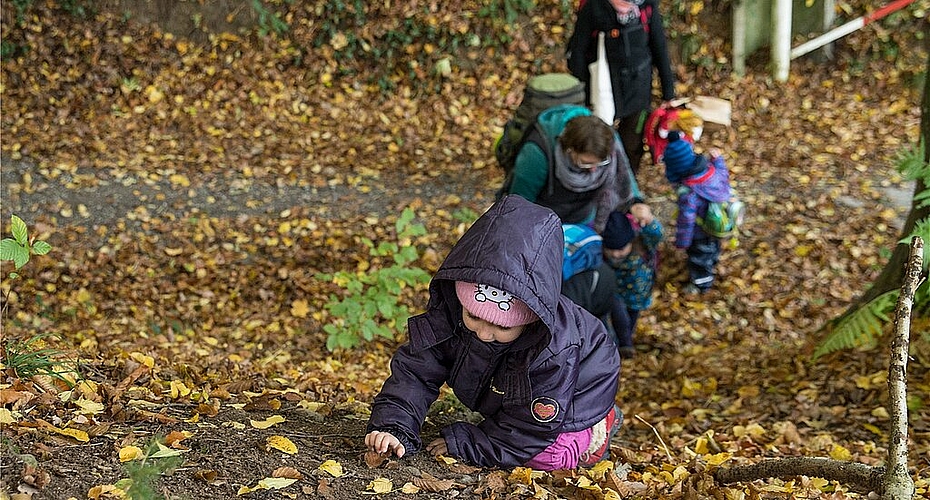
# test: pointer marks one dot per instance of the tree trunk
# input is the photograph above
(893, 273)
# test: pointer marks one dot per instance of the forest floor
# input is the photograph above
(182, 282)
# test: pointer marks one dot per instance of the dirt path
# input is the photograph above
(95, 197)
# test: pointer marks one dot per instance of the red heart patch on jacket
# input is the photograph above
(545, 409)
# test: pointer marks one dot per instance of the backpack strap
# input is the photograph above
(535, 135)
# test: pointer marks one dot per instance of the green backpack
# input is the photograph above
(723, 218)
(541, 93)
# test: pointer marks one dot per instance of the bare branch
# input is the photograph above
(898, 483)
(862, 476)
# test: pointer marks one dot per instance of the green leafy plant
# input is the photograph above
(157, 460)
(21, 6)
(268, 21)
(465, 215)
(18, 248)
(30, 357)
(508, 10)
(862, 327)
(373, 305)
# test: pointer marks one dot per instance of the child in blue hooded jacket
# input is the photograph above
(540, 369)
(632, 252)
(698, 181)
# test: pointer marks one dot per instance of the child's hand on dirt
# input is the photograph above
(437, 447)
(382, 442)
(642, 214)
(714, 153)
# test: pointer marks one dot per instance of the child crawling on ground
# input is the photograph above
(541, 371)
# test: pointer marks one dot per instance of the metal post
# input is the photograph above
(781, 39)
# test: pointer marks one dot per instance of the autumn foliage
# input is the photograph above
(194, 190)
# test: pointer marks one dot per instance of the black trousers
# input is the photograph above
(630, 130)
(703, 255)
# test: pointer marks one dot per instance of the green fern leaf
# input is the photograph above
(861, 327)
(910, 162)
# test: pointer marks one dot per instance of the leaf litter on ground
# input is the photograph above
(189, 213)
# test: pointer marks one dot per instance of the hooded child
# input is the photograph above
(541, 370)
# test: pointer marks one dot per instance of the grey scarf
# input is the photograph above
(579, 180)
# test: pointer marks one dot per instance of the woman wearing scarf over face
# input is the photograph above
(583, 175)
(635, 43)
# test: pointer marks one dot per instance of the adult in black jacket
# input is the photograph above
(635, 44)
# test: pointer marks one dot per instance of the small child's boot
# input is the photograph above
(612, 423)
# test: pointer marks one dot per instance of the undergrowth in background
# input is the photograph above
(373, 300)
(862, 328)
(29, 357)
(393, 43)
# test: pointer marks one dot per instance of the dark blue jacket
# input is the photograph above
(560, 375)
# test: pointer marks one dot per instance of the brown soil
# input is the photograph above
(223, 459)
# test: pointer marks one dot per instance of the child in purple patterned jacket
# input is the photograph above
(699, 181)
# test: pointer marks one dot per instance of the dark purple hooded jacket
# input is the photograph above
(560, 375)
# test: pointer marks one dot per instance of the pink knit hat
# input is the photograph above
(494, 305)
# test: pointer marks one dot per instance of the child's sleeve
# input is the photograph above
(652, 235)
(687, 218)
(721, 165)
(401, 406)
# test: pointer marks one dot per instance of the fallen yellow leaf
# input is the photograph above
(6, 416)
(840, 453)
(410, 489)
(75, 433)
(300, 308)
(269, 483)
(281, 443)
(718, 459)
(130, 453)
(600, 470)
(109, 490)
(331, 467)
(179, 180)
(268, 422)
(381, 485)
(138, 357)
